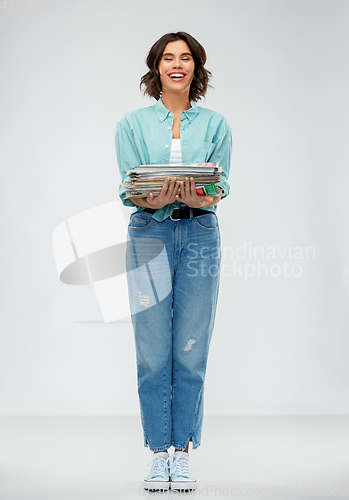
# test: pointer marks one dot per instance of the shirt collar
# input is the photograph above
(163, 112)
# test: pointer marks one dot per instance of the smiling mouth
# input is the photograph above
(176, 77)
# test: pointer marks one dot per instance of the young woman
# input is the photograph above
(173, 253)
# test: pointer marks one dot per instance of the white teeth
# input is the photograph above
(176, 74)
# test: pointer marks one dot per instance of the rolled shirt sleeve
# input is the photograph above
(126, 154)
(222, 154)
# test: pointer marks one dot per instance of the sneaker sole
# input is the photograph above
(156, 485)
(184, 485)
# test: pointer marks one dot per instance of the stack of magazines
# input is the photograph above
(145, 179)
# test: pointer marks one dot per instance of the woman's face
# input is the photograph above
(176, 67)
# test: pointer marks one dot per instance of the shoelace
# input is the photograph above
(160, 465)
(179, 466)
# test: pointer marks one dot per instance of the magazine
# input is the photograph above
(141, 180)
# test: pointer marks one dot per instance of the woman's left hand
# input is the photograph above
(189, 196)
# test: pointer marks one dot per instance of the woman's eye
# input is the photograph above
(169, 59)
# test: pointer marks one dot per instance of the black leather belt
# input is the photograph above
(180, 213)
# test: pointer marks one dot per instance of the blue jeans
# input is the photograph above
(173, 273)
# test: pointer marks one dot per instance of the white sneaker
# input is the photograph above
(180, 474)
(159, 475)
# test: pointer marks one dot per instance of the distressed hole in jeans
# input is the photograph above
(189, 344)
(143, 299)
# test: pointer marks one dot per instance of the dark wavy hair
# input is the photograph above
(199, 84)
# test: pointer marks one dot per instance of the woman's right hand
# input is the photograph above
(166, 196)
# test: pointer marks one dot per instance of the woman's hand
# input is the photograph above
(167, 194)
(188, 195)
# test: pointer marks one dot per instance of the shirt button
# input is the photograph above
(162, 118)
(166, 145)
(170, 114)
(183, 128)
(189, 118)
(169, 128)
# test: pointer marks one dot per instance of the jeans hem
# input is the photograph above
(158, 448)
(194, 443)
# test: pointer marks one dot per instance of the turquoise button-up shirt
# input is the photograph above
(144, 136)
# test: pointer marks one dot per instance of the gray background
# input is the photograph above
(70, 71)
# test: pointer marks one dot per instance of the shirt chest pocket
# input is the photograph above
(201, 151)
(207, 148)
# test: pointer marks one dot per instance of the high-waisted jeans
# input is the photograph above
(173, 273)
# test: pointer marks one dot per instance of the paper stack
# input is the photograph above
(145, 179)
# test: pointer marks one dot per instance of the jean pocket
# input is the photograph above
(208, 222)
(140, 221)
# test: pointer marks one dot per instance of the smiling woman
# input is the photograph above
(172, 297)
(176, 69)
(190, 51)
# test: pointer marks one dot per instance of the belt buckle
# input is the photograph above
(171, 215)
